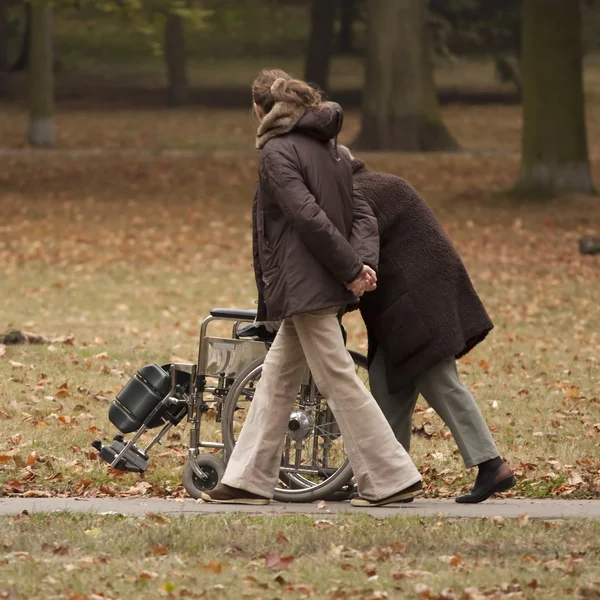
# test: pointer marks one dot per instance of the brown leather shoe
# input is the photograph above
(229, 495)
(500, 480)
(402, 496)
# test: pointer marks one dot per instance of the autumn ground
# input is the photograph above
(126, 237)
(84, 557)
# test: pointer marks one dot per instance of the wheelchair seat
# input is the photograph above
(258, 333)
(234, 313)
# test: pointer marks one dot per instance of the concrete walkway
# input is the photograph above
(538, 509)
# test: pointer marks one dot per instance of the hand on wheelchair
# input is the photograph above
(365, 282)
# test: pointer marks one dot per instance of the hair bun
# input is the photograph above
(278, 85)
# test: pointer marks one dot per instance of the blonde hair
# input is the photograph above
(274, 85)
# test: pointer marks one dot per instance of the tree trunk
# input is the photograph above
(554, 147)
(5, 87)
(347, 18)
(400, 105)
(320, 42)
(22, 61)
(41, 79)
(175, 56)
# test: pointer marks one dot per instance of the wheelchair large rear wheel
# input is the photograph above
(314, 464)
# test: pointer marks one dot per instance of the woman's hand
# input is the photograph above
(365, 282)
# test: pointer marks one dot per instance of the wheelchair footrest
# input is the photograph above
(133, 460)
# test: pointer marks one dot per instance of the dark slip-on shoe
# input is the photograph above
(227, 495)
(500, 480)
(402, 496)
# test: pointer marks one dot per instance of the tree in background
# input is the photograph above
(23, 59)
(348, 14)
(175, 59)
(41, 79)
(5, 87)
(400, 105)
(486, 28)
(554, 146)
(166, 18)
(320, 42)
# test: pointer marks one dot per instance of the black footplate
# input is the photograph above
(133, 460)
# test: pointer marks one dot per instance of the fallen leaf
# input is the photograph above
(214, 566)
(160, 549)
(572, 392)
(523, 520)
(281, 537)
(323, 524)
(423, 592)
(275, 561)
(32, 458)
(15, 439)
(14, 486)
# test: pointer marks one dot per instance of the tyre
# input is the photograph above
(314, 464)
(212, 466)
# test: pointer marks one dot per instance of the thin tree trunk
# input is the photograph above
(554, 148)
(22, 61)
(320, 42)
(175, 57)
(347, 18)
(41, 79)
(5, 85)
(434, 134)
(400, 104)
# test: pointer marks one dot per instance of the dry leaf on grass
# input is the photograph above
(213, 565)
(274, 560)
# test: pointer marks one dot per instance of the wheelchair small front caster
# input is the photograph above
(212, 466)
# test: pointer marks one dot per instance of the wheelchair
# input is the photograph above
(314, 464)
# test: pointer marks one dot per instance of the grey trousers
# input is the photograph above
(451, 400)
(380, 464)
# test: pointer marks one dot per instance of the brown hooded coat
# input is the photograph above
(304, 215)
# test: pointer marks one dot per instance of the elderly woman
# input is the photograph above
(424, 315)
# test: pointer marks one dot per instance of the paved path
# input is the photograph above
(545, 509)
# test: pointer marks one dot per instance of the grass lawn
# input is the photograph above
(75, 557)
(125, 241)
(139, 224)
(128, 253)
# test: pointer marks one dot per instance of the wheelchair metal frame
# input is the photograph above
(230, 357)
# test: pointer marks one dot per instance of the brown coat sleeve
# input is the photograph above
(281, 179)
(365, 230)
(260, 284)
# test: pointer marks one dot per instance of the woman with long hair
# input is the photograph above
(306, 270)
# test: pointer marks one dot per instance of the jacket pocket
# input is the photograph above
(402, 332)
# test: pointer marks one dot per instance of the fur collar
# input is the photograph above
(280, 120)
